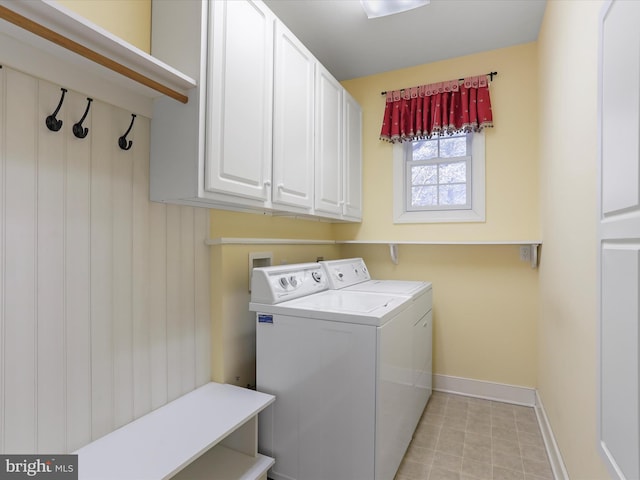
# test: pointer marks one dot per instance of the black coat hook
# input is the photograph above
(122, 141)
(78, 130)
(52, 122)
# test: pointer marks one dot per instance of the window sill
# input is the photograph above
(440, 216)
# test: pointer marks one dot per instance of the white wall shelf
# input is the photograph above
(532, 255)
(440, 242)
(35, 55)
(214, 426)
(266, 241)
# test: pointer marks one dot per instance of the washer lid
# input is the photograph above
(355, 302)
(392, 287)
(363, 308)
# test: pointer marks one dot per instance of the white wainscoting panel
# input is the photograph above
(104, 296)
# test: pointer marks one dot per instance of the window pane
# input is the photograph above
(453, 146)
(424, 196)
(425, 149)
(454, 172)
(424, 174)
(453, 194)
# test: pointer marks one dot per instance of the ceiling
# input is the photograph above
(349, 45)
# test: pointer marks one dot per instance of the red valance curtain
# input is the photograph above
(439, 108)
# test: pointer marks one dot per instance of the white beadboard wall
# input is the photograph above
(104, 296)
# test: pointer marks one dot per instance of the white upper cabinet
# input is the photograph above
(329, 150)
(352, 208)
(338, 167)
(293, 121)
(240, 99)
(264, 130)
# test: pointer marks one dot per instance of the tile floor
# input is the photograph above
(466, 438)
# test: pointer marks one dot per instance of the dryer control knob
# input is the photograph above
(284, 282)
(317, 276)
(293, 281)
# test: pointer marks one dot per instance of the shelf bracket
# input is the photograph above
(393, 251)
(534, 254)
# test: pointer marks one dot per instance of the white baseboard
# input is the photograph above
(555, 458)
(508, 394)
(488, 390)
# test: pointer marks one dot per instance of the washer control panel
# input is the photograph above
(276, 284)
(344, 273)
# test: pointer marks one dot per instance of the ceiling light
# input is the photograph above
(381, 8)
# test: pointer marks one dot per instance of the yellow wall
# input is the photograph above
(485, 298)
(233, 332)
(129, 20)
(484, 308)
(511, 150)
(567, 367)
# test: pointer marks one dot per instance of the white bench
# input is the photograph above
(210, 433)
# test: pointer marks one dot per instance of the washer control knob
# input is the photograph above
(293, 281)
(340, 275)
(284, 282)
(317, 276)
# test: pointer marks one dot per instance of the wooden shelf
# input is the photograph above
(440, 242)
(393, 244)
(34, 54)
(266, 241)
(222, 459)
(205, 422)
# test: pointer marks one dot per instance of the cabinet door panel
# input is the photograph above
(240, 91)
(352, 159)
(293, 121)
(329, 152)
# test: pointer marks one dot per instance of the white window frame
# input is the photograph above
(401, 195)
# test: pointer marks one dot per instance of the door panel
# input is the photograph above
(619, 238)
(293, 147)
(352, 158)
(620, 282)
(238, 151)
(329, 154)
(621, 97)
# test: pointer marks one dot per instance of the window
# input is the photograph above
(440, 179)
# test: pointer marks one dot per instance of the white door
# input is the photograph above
(293, 121)
(619, 257)
(352, 208)
(329, 153)
(240, 99)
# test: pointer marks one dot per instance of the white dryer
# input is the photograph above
(352, 274)
(332, 358)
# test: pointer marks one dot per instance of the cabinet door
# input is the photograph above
(293, 121)
(352, 208)
(329, 150)
(240, 99)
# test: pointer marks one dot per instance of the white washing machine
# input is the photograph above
(337, 362)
